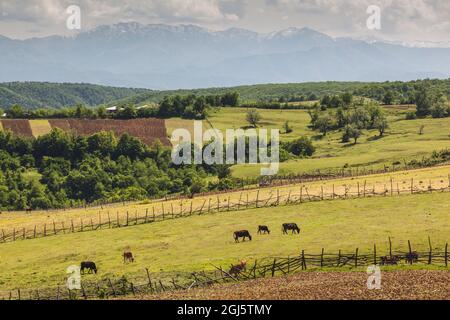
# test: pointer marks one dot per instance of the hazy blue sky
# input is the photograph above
(402, 20)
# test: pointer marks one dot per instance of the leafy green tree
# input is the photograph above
(351, 132)
(324, 124)
(381, 124)
(230, 99)
(302, 146)
(253, 117)
(388, 98)
(287, 128)
(347, 99)
(16, 112)
(424, 102)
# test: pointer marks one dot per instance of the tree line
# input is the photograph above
(61, 169)
(188, 107)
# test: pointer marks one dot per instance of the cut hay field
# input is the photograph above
(402, 141)
(193, 243)
(401, 180)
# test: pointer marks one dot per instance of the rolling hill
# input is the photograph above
(57, 95)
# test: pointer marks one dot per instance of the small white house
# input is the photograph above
(113, 109)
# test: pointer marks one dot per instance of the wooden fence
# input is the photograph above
(209, 206)
(267, 267)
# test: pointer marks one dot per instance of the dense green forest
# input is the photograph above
(61, 169)
(34, 95)
(401, 92)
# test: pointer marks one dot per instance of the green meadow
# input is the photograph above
(197, 242)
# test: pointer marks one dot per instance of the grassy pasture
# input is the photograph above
(193, 243)
(439, 176)
(401, 142)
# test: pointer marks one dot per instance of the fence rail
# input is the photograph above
(267, 267)
(209, 206)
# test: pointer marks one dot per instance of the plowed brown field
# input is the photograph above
(18, 127)
(395, 285)
(147, 130)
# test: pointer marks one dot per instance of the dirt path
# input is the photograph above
(395, 285)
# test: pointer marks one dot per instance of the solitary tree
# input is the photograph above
(381, 124)
(253, 117)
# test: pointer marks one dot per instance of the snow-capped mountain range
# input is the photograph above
(187, 56)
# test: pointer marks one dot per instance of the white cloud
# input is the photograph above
(401, 19)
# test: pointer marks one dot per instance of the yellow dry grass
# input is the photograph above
(40, 127)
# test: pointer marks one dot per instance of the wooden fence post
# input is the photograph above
(446, 254)
(374, 254)
(390, 247)
(364, 190)
(321, 258)
(149, 279)
(303, 260)
(112, 287)
(273, 266)
(392, 187)
(410, 251)
(429, 255)
(356, 258)
(257, 198)
(339, 258)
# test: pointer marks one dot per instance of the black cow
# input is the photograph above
(263, 229)
(290, 226)
(242, 234)
(412, 257)
(89, 265)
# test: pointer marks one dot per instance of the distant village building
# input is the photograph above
(113, 109)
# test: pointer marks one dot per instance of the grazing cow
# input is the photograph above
(389, 260)
(128, 257)
(28, 210)
(242, 234)
(263, 229)
(237, 269)
(412, 257)
(290, 226)
(89, 265)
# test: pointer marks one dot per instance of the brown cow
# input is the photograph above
(128, 257)
(237, 269)
(390, 260)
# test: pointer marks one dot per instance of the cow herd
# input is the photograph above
(91, 267)
(285, 228)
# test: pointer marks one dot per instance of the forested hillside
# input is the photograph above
(401, 92)
(38, 94)
(42, 94)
